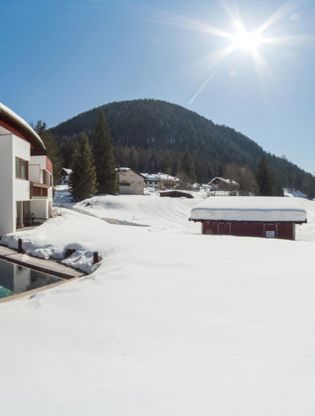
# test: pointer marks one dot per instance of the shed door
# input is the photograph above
(271, 230)
(224, 228)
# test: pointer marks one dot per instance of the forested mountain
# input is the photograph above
(151, 135)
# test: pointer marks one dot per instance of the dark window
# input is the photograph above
(21, 168)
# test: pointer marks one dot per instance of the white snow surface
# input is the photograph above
(172, 323)
(153, 211)
(293, 193)
(250, 208)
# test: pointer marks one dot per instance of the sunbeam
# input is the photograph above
(280, 13)
(295, 41)
(187, 23)
(241, 39)
(217, 59)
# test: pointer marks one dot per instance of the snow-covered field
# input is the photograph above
(171, 323)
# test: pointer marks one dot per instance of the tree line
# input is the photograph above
(93, 164)
(151, 136)
(92, 161)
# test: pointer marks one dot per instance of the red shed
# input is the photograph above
(270, 217)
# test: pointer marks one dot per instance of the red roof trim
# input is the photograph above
(24, 132)
(12, 130)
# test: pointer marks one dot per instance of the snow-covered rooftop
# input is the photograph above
(67, 171)
(223, 180)
(126, 169)
(251, 208)
(159, 177)
(13, 117)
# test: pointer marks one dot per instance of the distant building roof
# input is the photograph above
(159, 177)
(125, 169)
(223, 180)
(67, 171)
(242, 208)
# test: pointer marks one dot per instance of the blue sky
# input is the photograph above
(62, 57)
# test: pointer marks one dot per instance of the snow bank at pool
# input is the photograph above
(80, 257)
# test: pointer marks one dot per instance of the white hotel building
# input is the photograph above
(26, 179)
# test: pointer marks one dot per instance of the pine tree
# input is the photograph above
(187, 169)
(104, 158)
(265, 179)
(83, 178)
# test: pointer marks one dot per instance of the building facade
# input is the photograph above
(130, 182)
(26, 179)
(223, 184)
(160, 180)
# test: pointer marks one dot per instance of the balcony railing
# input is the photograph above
(39, 190)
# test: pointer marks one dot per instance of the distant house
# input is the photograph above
(160, 180)
(223, 184)
(269, 217)
(65, 176)
(131, 182)
(26, 177)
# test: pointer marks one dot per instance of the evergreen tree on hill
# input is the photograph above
(83, 178)
(187, 169)
(104, 158)
(265, 180)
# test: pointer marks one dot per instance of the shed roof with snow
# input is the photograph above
(252, 208)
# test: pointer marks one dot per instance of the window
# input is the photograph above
(46, 179)
(21, 168)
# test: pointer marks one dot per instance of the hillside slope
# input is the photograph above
(154, 135)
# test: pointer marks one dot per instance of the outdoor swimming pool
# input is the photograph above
(17, 279)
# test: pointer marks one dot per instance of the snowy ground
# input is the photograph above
(172, 323)
(159, 214)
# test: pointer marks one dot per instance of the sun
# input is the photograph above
(245, 40)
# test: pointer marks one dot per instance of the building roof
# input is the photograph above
(17, 125)
(223, 180)
(125, 169)
(157, 177)
(250, 208)
(67, 171)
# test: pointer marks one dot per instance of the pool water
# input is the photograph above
(17, 279)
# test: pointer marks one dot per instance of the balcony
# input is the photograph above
(39, 190)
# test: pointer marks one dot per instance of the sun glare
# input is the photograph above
(244, 40)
